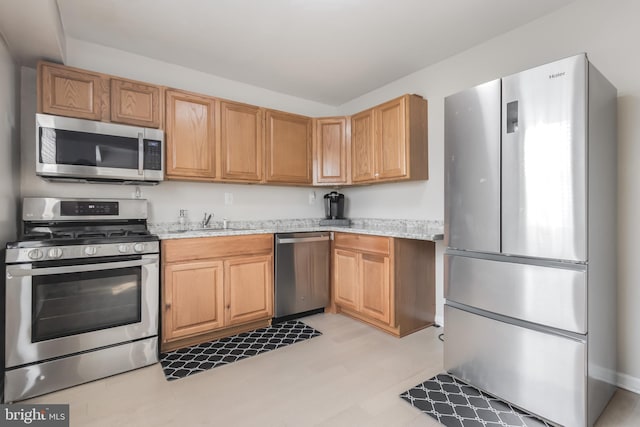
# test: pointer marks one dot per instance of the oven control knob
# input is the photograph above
(90, 250)
(54, 253)
(35, 254)
(123, 249)
(138, 247)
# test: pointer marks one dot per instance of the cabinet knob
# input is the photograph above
(167, 306)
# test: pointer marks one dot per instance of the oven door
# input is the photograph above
(57, 308)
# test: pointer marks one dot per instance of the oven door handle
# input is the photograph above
(26, 270)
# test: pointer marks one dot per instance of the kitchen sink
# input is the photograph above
(206, 229)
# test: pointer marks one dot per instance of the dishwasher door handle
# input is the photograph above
(302, 239)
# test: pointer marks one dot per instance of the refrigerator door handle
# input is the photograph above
(512, 117)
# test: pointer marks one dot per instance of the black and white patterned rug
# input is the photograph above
(454, 403)
(191, 360)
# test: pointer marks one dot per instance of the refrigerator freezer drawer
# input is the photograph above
(542, 373)
(548, 295)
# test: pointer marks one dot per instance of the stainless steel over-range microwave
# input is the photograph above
(90, 151)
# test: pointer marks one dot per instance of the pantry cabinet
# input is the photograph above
(384, 281)
(214, 287)
(288, 148)
(72, 92)
(331, 151)
(190, 136)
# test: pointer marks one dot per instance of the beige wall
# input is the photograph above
(608, 31)
(9, 145)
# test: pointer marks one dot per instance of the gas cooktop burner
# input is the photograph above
(65, 228)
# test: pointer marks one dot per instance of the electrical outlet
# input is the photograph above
(228, 198)
(312, 197)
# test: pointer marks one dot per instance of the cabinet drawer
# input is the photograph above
(550, 296)
(539, 371)
(215, 247)
(364, 243)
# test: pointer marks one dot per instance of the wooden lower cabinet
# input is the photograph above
(229, 292)
(193, 298)
(345, 278)
(376, 287)
(248, 289)
(384, 281)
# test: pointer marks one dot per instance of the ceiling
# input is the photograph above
(329, 51)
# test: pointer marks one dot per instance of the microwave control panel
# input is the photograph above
(152, 155)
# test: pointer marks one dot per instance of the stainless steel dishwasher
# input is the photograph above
(301, 274)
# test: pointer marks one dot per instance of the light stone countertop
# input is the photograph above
(406, 229)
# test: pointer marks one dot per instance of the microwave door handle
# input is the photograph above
(140, 153)
(21, 271)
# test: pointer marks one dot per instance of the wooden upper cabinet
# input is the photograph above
(241, 142)
(389, 141)
(135, 103)
(362, 147)
(331, 148)
(69, 92)
(190, 136)
(288, 148)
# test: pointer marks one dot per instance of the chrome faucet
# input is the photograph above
(206, 220)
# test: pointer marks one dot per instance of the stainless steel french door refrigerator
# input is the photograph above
(530, 228)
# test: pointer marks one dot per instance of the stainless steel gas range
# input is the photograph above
(82, 290)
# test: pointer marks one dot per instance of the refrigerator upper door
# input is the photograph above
(472, 168)
(544, 199)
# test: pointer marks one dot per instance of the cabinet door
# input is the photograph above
(331, 151)
(375, 287)
(71, 93)
(241, 142)
(362, 147)
(248, 289)
(190, 135)
(345, 278)
(135, 103)
(391, 139)
(193, 300)
(288, 148)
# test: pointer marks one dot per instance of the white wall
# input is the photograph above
(606, 30)
(609, 32)
(249, 201)
(9, 145)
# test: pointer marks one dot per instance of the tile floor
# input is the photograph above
(352, 375)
